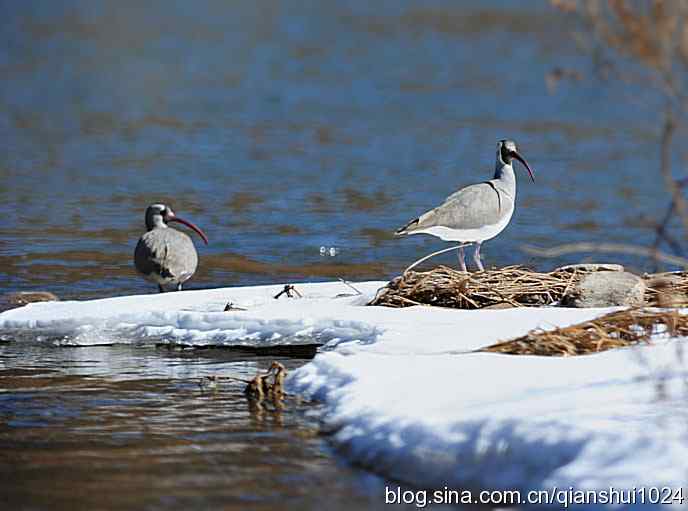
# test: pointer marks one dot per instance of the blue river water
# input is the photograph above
(299, 135)
(285, 127)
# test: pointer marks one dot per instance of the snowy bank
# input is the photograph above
(502, 421)
(329, 312)
(404, 395)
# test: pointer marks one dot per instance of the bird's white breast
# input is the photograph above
(483, 233)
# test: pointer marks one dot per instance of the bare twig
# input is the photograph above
(677, 198)
(644, 44)
(662, 234)
(234, 378)
(231, 307)
(607, 248)
(348, 284)
(288, 290)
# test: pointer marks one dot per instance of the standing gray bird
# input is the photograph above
(478, 212)
(164, 255)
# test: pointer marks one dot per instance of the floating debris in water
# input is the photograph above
(277, 388)
(260, 387)
(264, 386)
(329, 251)
(208, 383)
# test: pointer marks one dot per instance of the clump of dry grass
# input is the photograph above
(667, 289)
(445, 287)
(512, 286)
(614, 330)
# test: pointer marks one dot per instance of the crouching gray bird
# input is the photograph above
(476, 213)
(164, 255)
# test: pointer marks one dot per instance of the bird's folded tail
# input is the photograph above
(407, 228)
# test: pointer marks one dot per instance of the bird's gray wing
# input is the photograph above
(183, 260)
(150, 255)
(469, 208)
(166, 252)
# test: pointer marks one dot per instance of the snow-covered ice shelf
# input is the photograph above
(405, 396)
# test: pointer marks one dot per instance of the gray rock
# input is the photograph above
(607, 289)
(591, 267)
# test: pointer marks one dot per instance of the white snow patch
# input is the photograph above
(498, 421)
(198, 317)
(328, 313)
(405, 395)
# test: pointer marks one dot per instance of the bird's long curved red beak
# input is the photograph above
(525, 164)
(175, 218)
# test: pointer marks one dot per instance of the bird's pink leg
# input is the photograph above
(462, 259)
(476, 256)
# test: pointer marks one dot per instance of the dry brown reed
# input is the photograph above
(512, 286)
(509, 286)
(615, 330)
(667, 289)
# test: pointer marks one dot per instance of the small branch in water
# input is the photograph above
(233, 378)
(663, 235)
(434, 254)
(675, 189)
(661, 229)
(259, 387)
(288, 290)
(348, 284)
(607, 248)
(208, 383)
